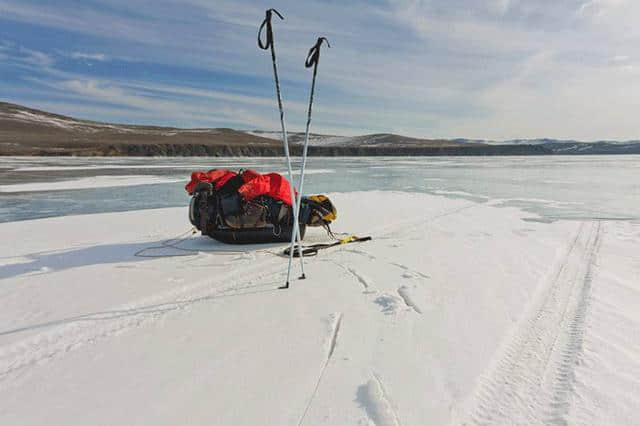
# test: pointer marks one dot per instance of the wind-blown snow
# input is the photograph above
(456, 312)
(87, 182)
(105, 167)
(308, 172)
(145, 166)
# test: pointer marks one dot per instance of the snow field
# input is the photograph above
(456, 312)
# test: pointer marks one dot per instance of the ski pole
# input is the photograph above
(312, 61)
(268, 44)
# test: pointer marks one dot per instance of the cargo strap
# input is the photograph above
(313, 249)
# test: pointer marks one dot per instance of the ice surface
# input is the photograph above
(88, 182)
(455, 312)
(554, 187)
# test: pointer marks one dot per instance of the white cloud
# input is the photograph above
(89, 56)
(37, 58)
(24, 57)
(185, 110)
(434, 68)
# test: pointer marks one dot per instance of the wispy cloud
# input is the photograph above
(16, 55)
(433, 68)
(89, 56)
(35, 57)
(193, 112)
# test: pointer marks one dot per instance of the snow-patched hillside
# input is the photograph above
(369, 140)
(36, 118)
(391, 140)
(27, 131)
(456, 312)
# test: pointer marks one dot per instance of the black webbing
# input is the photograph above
(314, 53)
(267, 23)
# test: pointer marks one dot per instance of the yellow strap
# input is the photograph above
(349, 239)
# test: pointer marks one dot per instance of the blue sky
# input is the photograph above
(495, 69)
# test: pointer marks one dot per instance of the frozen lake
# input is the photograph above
(562, 187)
(455, 312)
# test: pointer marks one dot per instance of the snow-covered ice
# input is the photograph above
(456, 312)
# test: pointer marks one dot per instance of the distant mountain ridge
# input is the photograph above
(371, 140)
(28, 131)
(556, 146)
(570, 147)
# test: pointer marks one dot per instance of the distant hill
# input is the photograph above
(553, 146)
(27, 131)
(370, 140)
(571, 147)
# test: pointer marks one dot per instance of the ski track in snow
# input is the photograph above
(68, 334)
(532, 382)
(334, 335)
(360, 252)
(411, 273)
(364, 281)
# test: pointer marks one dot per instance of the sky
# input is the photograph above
(478, 69)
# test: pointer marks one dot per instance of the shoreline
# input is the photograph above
(200, 150)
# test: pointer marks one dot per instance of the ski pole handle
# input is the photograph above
(314, 53)
(267, 24)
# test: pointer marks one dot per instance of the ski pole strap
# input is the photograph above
(313, 250)
(267, 24)
(314, 53)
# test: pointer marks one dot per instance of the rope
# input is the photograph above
(173, 243)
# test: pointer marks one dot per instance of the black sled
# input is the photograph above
(226, 217)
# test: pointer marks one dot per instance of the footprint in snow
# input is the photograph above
(373, 398)
(405, 294)
(388, 303)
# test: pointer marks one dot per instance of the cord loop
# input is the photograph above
(269, 33)
(314, 53)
